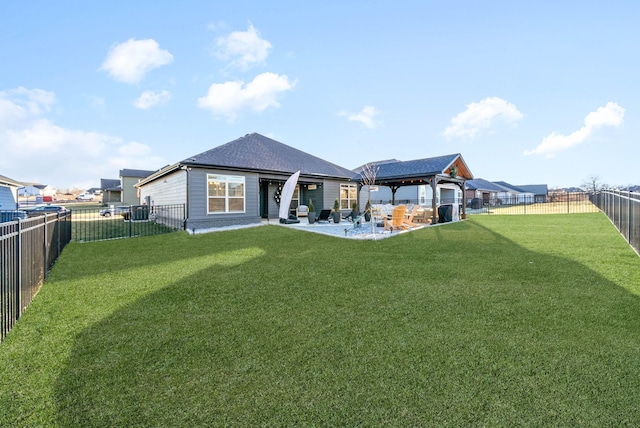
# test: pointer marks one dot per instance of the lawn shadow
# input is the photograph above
(319, 332)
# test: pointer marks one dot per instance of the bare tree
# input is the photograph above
(369, 173)
(592, 184)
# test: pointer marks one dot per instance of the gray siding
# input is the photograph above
(197, 209)
(407, 193)
(7, 199)
(331, 193)
(129, 192)
(110, 196)
(168, 190)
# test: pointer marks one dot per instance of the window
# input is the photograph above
(225, 194)
(348, 195)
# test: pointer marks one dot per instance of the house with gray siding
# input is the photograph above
(237, 183)
(128, 180)
(9, 193)
(483, 192)
(111, 190)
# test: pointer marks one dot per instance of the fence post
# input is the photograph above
(18, 279)
(619, 210)
(59, 232)
(629, 217)
(44, 247)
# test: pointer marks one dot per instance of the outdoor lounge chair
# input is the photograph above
(409, 220)
(324, 216)
(397, 220)
(302, 211)
(424, 215)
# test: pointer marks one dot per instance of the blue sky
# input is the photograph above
(540, 92)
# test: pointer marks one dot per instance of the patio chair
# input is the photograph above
(324, 216)
(409, 220)
(302, 211)
(397, 220)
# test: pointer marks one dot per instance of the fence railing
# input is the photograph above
(96, 224)
(30, 246)
(623, 209)
(553, 203)
(28, 249)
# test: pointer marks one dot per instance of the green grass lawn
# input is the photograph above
(495, 321)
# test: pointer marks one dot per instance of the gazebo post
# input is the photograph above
(464, 198)
(393, 194)
(434, 205)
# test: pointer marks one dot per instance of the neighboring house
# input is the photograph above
(111, 191)
(36, 189)
(417, 181)
(9, 193)
(481, 192)
(485, 192)
(540, 191)
(513, 195)
(128, 180)
(237, 183)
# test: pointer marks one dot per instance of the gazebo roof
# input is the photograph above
(406, 173)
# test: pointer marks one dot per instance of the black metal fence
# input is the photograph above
(96, 224)
(28, 249)
(623, 209)
(553, 203)
(30, 246)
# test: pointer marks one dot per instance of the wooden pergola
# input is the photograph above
(432, 171)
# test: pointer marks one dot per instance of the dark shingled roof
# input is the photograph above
(482, 184)
(536, 189)
(415, 168)
(259, 153)
(140, 173)
(110, 184)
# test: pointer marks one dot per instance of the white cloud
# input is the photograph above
(19, 103)
(365, 117)
(229, 98)
(609, 115)
(482, 115)
(34, 148)
(243, 48)
(129, 61)
(150, 99)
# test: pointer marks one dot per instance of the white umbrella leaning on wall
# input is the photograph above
(285, 198)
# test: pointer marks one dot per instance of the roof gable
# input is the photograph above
(389, 170)
(257, 152)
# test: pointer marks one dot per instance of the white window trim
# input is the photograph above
(348, 198)
(227, 179)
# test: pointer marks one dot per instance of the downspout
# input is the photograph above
(186, 169)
